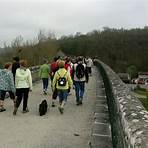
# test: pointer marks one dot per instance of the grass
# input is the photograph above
(144, 93)
(144, 102)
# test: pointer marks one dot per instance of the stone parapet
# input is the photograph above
(133, 116)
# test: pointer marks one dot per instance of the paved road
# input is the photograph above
(70, 130)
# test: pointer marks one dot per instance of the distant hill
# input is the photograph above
(2, 50)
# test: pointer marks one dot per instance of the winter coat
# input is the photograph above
(6, 80)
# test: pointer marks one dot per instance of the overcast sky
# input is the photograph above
(64, 17)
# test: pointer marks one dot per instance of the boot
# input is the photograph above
(53, 104)
(15, 111)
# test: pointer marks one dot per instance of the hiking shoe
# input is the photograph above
(25, 111)
(2, 109)
(53, 105)
(80, 103)
(61, 109)
(77, 104)
(15, 111)
(45, 93)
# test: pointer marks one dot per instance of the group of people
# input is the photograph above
(65, 74)
(16, 79)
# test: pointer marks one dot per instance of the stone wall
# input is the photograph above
(133, 116)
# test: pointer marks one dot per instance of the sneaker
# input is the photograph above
(61, 109)
(25, 111)
(77, 104)
(2, 109)
(53, 105)
(80, 103)
(15, 111)
(45, 93)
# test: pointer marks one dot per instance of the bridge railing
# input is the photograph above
(35, 73)
(129, 119)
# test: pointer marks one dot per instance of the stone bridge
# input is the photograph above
(110, 117)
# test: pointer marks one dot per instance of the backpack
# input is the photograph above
(62, 80)
(80, 71)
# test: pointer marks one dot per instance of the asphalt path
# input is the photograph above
(53, 130)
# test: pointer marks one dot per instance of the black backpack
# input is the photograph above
(80, 71)
(62, 80)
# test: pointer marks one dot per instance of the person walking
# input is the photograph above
(23, 83)
(80, 77)
(53, 68)
(15, 65)
(62, 82)
(6, 84)
(44, 75)
(89, 64)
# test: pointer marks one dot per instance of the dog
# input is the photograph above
(43, 108)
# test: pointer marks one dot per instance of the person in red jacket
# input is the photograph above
(68, 65)
(53, 68)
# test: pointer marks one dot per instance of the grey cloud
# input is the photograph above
(68, 16)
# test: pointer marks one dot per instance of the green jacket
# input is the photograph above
(44, 71)
(62, 72)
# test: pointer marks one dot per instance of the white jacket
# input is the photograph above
(23, 78)
(75, 77)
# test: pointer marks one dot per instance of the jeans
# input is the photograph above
(62, 95)
(45, 83)
(79, 90)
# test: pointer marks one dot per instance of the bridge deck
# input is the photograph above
(79, 127)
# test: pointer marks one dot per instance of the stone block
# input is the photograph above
(100, 142)
(101, 129)
(101, 117)
(101, 109)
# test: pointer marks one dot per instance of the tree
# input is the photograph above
(132, 71)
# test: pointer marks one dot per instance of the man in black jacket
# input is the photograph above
(15, 65)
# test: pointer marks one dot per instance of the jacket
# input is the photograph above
(85, 78)
(60, 73)
(23, 78)
(44, 71)
(6, 80)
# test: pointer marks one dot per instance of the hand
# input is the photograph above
(69, 89)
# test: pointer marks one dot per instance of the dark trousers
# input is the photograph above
(54, 94)
(22, 93)
(45, 83)
(89, 70)
(3, 94)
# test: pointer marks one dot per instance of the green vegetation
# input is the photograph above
(34, 51)
(119, 48)
(144, 101)
(123, 50)
(132, 71)
(142, 92)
